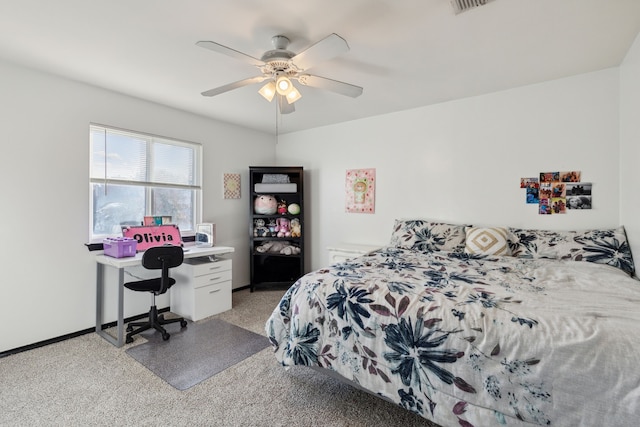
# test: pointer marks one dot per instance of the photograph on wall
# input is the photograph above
(571, 176)
(558, 189)
(231, 185)
(558, 205)
(543, 207)
(549, 176)
(578, 195)
(529, 182)
(532, 195)
(578, 189)
(360, 190)
(545, 190)
(578, 202)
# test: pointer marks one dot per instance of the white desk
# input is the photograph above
(120, 264)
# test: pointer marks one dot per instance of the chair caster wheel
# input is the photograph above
(129, 340)
(165, 336)
(129, 328)
(183, 323)
(161, 317)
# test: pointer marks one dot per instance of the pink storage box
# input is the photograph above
(119, 247)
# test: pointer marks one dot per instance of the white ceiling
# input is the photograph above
(404, 53)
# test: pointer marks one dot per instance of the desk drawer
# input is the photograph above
(212, 299)
(212, 278)
(203, 288)
(210, 267)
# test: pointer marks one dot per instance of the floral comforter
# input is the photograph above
(472, 341)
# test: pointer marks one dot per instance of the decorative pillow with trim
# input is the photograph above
(487, 241)
(428, 236)
(608, 247)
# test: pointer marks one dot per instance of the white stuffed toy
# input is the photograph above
(265, 205)
(278, 248)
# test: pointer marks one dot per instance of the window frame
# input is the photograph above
(147, 183)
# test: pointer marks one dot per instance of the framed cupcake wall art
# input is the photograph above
(360, 187)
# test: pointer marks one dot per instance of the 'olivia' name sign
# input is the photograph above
(155, 235)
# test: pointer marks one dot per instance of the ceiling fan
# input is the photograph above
(280, 66)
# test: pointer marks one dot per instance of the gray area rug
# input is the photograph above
(196, 352)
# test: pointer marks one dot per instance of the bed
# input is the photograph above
(477, 326)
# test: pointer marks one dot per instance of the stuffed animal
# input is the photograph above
(294, 208)
(259, 230)
(283, 227)
(296, 228)
(282, 207)
(278, 248)
(272, 228)
(265, 205)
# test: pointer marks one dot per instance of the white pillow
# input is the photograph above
(487, 241)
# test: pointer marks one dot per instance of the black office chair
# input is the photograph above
(157, 258)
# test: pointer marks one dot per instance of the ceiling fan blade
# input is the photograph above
(284, 106)
(327, 48)
(333, 85)
(234, 85)
(216, 47)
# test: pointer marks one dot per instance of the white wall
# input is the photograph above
(459, 161)
(462, 161)
(48, 275)
(630, 146)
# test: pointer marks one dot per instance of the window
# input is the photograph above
(133, 175)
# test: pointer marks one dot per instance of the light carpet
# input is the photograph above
(196, 352)
(86, 381)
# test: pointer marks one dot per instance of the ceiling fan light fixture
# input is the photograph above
(293, 95)
(283, 85)
(268, 91)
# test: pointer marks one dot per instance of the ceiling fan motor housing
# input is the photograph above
(278, 60)
(279, 51)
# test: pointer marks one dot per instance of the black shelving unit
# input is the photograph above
(285, 185)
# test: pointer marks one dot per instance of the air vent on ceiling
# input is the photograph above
(460, 6)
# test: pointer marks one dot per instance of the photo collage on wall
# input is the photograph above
(557, 192)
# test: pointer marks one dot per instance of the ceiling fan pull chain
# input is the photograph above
(277, 117)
